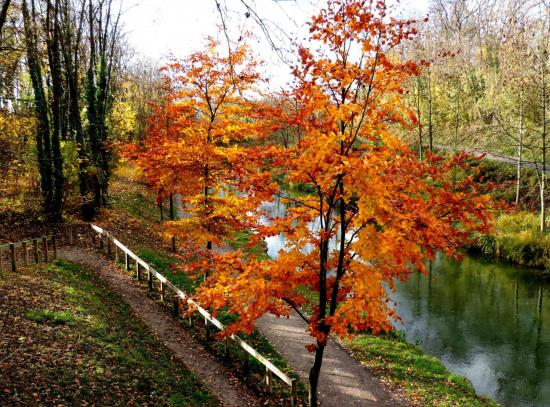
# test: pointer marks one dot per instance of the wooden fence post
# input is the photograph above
(108, 247)
(150, 280)
(101, 244)
(116, 253)
(176, 307)
(246, 364)
(13, 259)
(46, 256)
(269, 379)
(126, 261)
(35, 250)
(54, 244)
(161, 291)
(25, 254)
(138, 274)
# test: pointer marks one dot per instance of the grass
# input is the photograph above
(165, 265)
(49, 316)
(241, 240)
(84, 345)
(517, 239)
(423, 378)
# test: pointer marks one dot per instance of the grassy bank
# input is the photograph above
(421, 378)
(67, 340)
(517, 239)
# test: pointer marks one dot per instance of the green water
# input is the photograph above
(489, 322)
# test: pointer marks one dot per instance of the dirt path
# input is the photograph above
(220, 381)
(344, 382)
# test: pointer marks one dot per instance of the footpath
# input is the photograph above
(344, 381)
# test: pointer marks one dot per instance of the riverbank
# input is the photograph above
(517, 239)
(422, 378)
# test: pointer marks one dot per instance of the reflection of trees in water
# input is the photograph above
(468, 311)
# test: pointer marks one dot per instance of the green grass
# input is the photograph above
(166, 265)
(138, 205)
(422, 377)
(55, 317)
(119, 351)
(517, 239)
(240, 241)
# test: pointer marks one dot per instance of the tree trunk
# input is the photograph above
(70, 47)
(520, 148)
(54, 59)
(430, 125)
(314, 374)
(43, 148)
(418, 114)
(544, 134)
(172, 217)
(3, 15)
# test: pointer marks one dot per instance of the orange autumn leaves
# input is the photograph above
(192, 148)
(373, 211)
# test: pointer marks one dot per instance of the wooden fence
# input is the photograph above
(113, 245)
(44, 247)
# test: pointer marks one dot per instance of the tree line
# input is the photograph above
(485, 85)
(62, 63)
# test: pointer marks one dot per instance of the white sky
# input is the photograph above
(157, 29)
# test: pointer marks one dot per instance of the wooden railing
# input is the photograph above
(25, 246)
(131, 257)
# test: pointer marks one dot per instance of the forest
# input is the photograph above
(394, 186)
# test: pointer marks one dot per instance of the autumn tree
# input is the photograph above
(381, 211)
(193, 143)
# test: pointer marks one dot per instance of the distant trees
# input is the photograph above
(71, 49)
(486, 83)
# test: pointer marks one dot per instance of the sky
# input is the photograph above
(158, 29)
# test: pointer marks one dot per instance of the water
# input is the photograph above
(488, 322)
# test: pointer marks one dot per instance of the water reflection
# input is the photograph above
(486, 322)
(278, 209)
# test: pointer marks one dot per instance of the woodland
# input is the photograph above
(398, 139)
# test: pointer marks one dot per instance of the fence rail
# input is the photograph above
(36, 245)
(129, 256)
